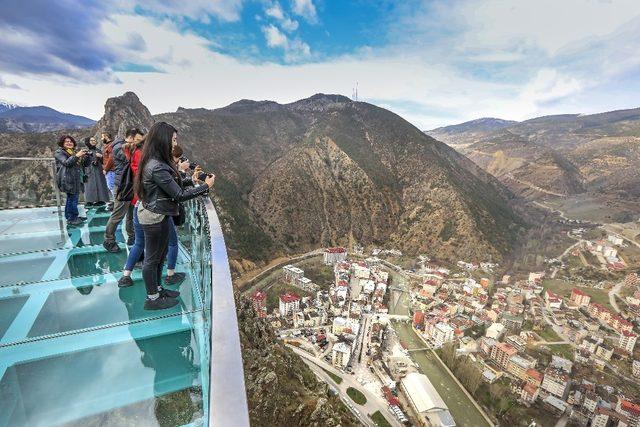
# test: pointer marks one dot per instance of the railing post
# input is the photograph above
(58, 201)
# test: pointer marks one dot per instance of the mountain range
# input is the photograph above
(559, 155)
(16, 118)
(325, 171)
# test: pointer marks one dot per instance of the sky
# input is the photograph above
(435, 62)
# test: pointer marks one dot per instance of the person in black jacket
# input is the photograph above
(121, 208)
(159, 189)
(69, 165)
(96, 191)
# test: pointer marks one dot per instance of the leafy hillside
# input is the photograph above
(326, 170)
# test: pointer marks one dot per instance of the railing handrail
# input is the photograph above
(28, 158)
(227, 391)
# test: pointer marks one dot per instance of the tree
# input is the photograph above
(449, 355)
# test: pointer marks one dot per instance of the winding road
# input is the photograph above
(374, 403)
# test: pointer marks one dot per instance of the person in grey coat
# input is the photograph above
(69, 176)
(96, 191)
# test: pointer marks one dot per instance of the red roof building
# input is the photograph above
(579, 298)
(418, 320)
(534, 377)
(289, 303)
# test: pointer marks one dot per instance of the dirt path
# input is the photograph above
(244, 283)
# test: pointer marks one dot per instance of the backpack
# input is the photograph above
(125, 189)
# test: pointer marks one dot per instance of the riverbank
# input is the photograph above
(465, 411)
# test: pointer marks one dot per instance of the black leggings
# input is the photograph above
(156, 244)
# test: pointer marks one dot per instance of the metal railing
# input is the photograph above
(226, 403)
(30, 182)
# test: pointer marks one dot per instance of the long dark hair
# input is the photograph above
(157, 145)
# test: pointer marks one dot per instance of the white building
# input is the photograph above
(341, 353)
(289, 303)
(494, 331)
(368, 286)
(441, 334)
(334, 255)
(292, 273)
(555, 382)
(344, 325)
(601, 419)
(628, 341)
(361, 271)
(616, 240)
(306, 284)
(426, 401)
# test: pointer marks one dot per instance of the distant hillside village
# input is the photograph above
(548, 345)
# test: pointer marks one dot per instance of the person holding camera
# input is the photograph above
(159, 188)
(136, 252)
(96, 191)
(69, 176)
(121, 208)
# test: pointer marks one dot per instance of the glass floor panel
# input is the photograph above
(99, 221)
(15, 270)
(9, 308)
(62, 264)
(106, 371)
(31, 213)
(77, 350)
(29, 242)
(81, 307)
(30, 226)
(92, 236)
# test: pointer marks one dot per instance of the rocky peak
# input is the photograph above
(123, 112)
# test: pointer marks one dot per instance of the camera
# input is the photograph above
(192, 165)
(203, 175)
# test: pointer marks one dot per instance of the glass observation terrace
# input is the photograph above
(76, 350)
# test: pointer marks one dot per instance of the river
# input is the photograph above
(462, 409)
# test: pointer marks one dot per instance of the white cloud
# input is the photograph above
(550, 85)
(306, 9)
(549, 25)
(275, 38)
(294, 50)
(428, 89)
(226, 10)
(275, 11)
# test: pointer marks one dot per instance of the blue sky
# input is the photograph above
(434, 62)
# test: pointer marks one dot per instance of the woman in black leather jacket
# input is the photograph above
(159, 188)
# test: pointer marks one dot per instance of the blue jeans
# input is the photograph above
(111, 181)
(136, 251)
(71, 207)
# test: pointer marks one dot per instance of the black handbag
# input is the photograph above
(179, 219)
